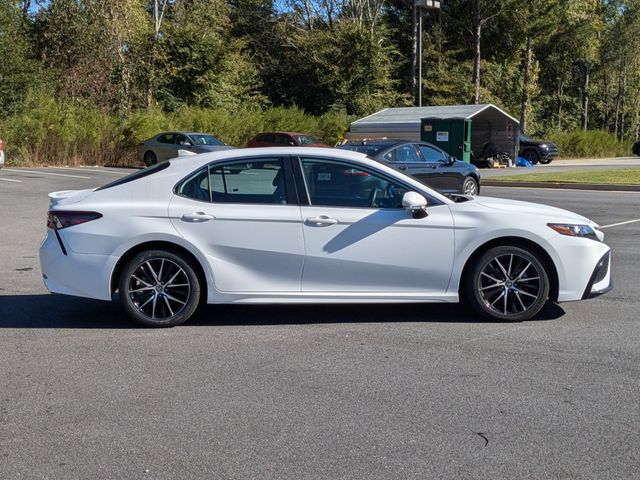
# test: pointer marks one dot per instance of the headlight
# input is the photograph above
(571, 230)
(545, 146)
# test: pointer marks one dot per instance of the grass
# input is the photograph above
(623, 176)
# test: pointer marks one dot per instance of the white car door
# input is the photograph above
(249, 229)
(358, 238)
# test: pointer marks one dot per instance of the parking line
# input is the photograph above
(10, 180)
(621, 223)
(46, 173)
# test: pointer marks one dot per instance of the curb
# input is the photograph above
(568, 186)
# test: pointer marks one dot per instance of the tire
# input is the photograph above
(149, 158)
(531, 156)
(470, 186)
(159, 288)
(546, 161)
(506, 283)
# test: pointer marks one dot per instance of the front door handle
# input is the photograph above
(320, 221)
(402, 167)
(196, 217)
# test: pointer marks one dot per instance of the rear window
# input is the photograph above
(366, 149)
(145, 172)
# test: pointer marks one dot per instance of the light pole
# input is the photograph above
(428, 5)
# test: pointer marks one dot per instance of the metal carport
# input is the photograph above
(489, 124)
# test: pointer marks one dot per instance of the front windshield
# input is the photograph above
(203, 139)
(524, 138)
(305, 139)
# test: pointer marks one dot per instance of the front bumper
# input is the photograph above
(600, 281)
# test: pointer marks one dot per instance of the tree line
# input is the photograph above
(558, 65)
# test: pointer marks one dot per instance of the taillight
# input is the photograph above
(58, 220)
(1, 145)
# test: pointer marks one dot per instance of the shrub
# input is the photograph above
(48, 132)
(590, 143)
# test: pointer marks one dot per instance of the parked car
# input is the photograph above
(636, 148)
(284, 139)
(537, 151)
(1, 153)
(166, 145)
(184, 231)
(424, 161)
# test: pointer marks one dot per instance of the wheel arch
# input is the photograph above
(161, 245)
(544, 256)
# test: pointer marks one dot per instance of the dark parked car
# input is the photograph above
(537, 151)
(284, 139)
(167, 144)
(428, 163)
(636, 148)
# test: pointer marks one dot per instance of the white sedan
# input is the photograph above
(307, 225)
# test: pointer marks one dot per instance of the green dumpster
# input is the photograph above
(453, 135)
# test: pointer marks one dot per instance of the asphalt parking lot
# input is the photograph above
(300, 392)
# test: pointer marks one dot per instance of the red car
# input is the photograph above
(284, 139)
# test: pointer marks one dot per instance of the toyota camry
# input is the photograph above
(310, 225)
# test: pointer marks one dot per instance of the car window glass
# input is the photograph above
(257, 181)
(166, 138)
(282, 139)
(339, 184)
(406, 153)
(391, 156)
(269, 138)
(196, 186)
(181, 139)
(431, 155)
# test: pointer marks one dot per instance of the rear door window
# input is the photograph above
(165, 138)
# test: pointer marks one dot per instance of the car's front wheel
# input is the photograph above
(507, 283)
(470, 186)
(159, 288)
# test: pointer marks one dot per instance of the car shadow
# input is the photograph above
(61, 311)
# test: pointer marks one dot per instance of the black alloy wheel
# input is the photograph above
(507, 283)
(159, 288)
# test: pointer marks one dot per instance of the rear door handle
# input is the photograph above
(196, 217)
(402, 167)
(321, 221)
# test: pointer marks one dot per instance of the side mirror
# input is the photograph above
(292, 143)
(452, 159)
(184, 143)
(415, 203)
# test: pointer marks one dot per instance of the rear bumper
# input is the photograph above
(70, 273)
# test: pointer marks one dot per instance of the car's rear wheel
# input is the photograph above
(149, 158)
(507, 283)
(159, 288)
(470, 186)
(531, 156)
